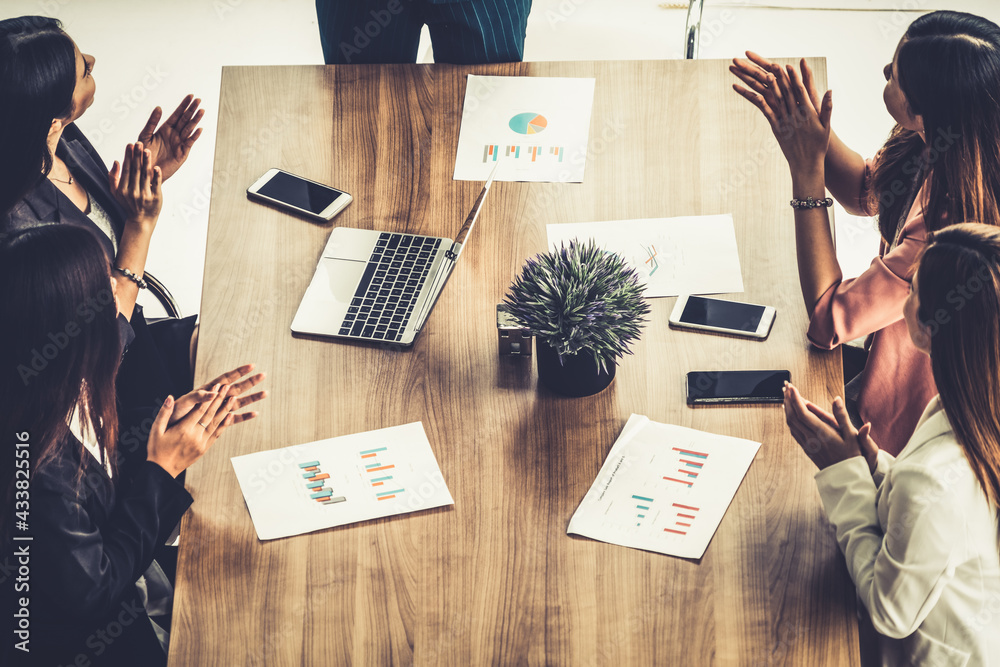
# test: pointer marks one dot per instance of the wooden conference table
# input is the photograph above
(495, 579)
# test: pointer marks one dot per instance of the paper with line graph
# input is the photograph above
(663, 488)
(537, 126)
(673, 256)
(341, 480)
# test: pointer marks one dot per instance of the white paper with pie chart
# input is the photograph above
(538, 127)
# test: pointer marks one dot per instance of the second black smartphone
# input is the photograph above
(713, 387)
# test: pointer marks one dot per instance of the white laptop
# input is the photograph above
(380, 286)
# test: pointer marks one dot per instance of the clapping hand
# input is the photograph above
(799, 119)
(184, 429)
(235, 388)
(826, 438)
(172, 142)
(136, 185)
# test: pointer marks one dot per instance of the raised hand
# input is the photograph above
(237, 385)
(136, 185)
(171, 143)
(799, 118)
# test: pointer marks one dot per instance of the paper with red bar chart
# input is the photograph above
(663, 488)
(536, 128)
(342, 480)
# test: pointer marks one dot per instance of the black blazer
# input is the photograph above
(45, 203)
(156, 363)
(92, 540)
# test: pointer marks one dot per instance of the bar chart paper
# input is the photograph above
(694, 254)
(663, 488)
(351, 478)
(537, 126)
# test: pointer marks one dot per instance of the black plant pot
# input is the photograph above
(576, 376)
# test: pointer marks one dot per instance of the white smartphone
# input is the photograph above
(300, 195)
(720, 316)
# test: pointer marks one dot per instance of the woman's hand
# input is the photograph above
(825, 438)
(136, 186)
(176, 444)
(799, 119)
(171, 144)
(238, 385)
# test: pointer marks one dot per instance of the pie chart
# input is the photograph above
(528, 123)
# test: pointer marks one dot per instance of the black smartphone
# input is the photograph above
(713, 387)
(721, 316)
(299, 195)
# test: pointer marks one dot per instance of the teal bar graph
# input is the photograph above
(316, 485)
(648, 500)
(642, 507)
(372, 451)
(373, 465)
(321, 494)
(389, 493)
(381, 479)
(309, 464)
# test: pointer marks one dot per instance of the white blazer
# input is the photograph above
(920, 540)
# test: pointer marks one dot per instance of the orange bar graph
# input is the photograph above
(382, 468)
(316, 478)
(386, 497)
(367, 456)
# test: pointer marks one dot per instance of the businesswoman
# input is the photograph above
(940, 165)
(89, 573)
(919, 531)
(50, 173)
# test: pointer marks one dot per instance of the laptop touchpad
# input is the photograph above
(342, 277)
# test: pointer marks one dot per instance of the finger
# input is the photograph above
(226, 423)
(179, 111)
(809, 82)
(146, 134)
(163, 416)
(247, 384)
(113, 176)
(802, 100)
(845, 426)
(750, 80)
(823, 415)
(242, 402)
(190, 119)
(759, 60)
(157, 180)
(243, 416)
(126, 168)
(146, 176)
(189, 142)
(225, 409)
(782, 87)
(229, 377)
(206, 408)
(826, 109)
(758, 101)
(135, 173)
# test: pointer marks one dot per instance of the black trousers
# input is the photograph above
(388, 31)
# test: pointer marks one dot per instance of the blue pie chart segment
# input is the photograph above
(528, 123)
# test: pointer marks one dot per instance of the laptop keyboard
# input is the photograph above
(384, 300)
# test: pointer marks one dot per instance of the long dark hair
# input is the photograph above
(59, 343)
(37, 79)
(949, 72)
(958, 285)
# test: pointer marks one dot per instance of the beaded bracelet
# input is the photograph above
(131, 276)
(809, 202)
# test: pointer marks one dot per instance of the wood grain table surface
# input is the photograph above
(495, 579)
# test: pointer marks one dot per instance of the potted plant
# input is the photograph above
(585, 307)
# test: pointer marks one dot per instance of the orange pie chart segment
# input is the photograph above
(528, 123)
